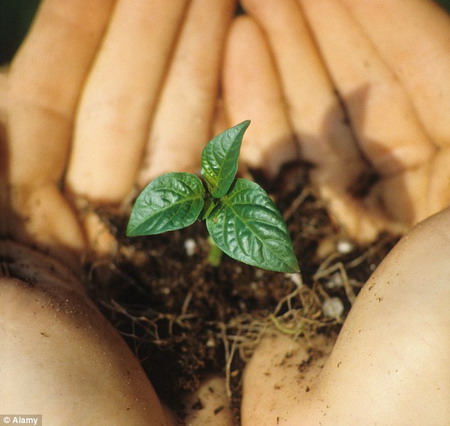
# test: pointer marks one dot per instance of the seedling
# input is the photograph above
(241, 218)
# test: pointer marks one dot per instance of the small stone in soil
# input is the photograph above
(333, 307)
(190, 245)
(335, 281)
(344, 246)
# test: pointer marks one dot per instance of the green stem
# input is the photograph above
(215, 254)
(210, 203)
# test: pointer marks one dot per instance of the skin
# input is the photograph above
(59, 356)
(387, 119)
(388, 135)
(408, 64)
(269, 141)
(390, 362)
(42, 108)
(189, 94)
(106, 134)
(41, 116)
(314, 112)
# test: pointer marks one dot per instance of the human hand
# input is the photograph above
(79, 99)
(105, 157)
(388, 366)
(390, 363)
(78, 110)
(91, 120)
(345, 85)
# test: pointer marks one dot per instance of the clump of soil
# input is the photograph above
(184, 318)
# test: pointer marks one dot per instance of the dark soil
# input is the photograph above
(184, 318)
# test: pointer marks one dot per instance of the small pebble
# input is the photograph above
(259, 273)
(190, 245)
(333, 307)
(335, 281)
(344, 246)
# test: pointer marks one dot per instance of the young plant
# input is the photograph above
(241, 218)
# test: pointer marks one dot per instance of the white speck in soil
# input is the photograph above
(190, 245)
(344, 246)
(333, 307)
(335, 281)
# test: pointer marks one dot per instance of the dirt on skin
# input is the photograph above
(184, 318)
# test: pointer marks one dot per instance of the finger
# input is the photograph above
(404, 196)
(251, 90)
(317, 117)
(313, 108)
(220, 119)
(3, 150)
(439, 189)
(119, 98)
(183, 119)
(413, 37)
(382, 117)
(44, 83)
(3, 93)
(42, 217)
(417, 193)
(45, 80)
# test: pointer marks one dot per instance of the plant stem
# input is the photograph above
(215, 254)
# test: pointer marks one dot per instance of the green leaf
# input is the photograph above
(248, 227)
(171, 201)
(220, 159)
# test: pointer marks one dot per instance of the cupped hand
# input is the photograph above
(119, 100)
(390, 363)
(106, 95)
(100, 98)
(361, 88)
